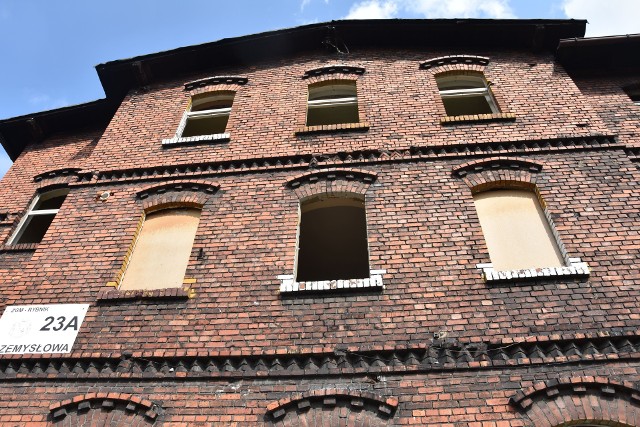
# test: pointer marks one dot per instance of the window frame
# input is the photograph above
(23, 225)
(319, 104)
(484, 91)
(209, 113)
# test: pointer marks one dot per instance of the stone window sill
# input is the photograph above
(576, 268)
(218, 137)
(343, 127)
(115, 295)
(496, 117)
(19, 247)
(288, 285)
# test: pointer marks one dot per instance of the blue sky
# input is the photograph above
(48, 48)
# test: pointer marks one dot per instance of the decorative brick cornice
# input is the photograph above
(215, 80)
(330, 398)
(333, 69)
(454, 59)
(363, 157)
(491, 163)
(105, 401)
(440, 355)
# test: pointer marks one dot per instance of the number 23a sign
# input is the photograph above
(40, 328)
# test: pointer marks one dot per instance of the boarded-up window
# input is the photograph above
(333, 102)
(333, 240)
(516, 230)
(161, 252)
(39, 217)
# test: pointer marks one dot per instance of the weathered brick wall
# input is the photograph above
(471, 398)
(399, 101)
(607, 95)
(422, 229)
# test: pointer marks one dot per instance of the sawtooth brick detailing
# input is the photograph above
(438, 355)
(455, 60)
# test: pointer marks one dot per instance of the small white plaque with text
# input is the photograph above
(40, 329)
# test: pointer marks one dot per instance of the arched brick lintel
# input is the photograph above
(176, 193)
(496, 163)
(455, 60)
(499, 172)
(580, 400)
(332, 70)
(132, 403)
(329, 397)
(331, 181)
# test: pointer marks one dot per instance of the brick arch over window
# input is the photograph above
(578, 401)
(224, 83)
(333, 70)
(500, 172)
(57, 177)
(331, 182)
(104, 409)
(176, 194)
(455, 63)
(333, 408)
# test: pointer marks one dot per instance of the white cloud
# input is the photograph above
(606, 18)
(304, 4)
(373, 9)
(377, 9)
(497, 9)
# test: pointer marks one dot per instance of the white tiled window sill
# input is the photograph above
(217, 137)
(576, 268)
(288, 284)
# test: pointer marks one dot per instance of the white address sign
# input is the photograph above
(40, 328)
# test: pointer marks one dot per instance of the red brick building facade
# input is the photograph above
(428, 329)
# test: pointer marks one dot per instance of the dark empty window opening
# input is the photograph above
(332, 103)
(332, 240)
(466, 95)
(36, 222)
(209, 114)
